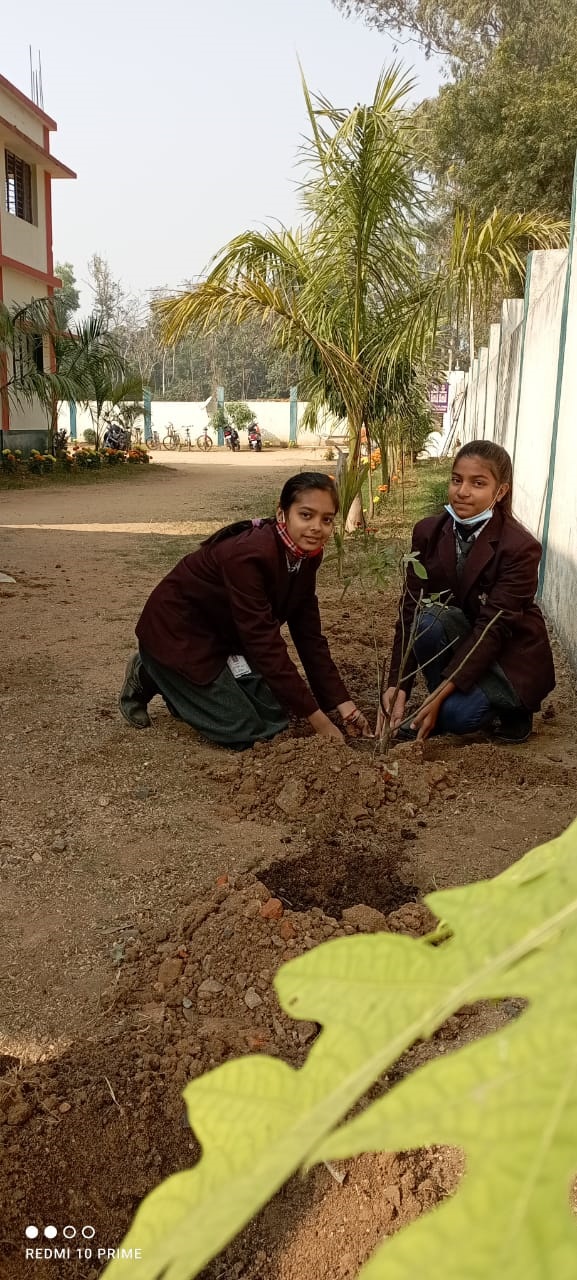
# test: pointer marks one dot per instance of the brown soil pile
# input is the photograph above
(329, 789)
(88, 1135)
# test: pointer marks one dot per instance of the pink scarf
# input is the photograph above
(291, 546)
(285, 537)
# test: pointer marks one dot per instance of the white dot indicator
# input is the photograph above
(69, 1232)
(51, 1232)
(89, 1233)
(31, 1232)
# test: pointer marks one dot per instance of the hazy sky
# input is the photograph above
(182, 119)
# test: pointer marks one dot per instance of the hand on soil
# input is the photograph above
(393, 706)
(360, 729)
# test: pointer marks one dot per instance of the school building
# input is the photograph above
(27, 169)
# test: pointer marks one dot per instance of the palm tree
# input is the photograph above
(84, 358)
(325, 288)
(482, 258)
(349, 293)
(27, 337)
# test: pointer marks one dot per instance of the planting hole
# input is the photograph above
(332, 879)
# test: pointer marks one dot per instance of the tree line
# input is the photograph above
(241, 358)
(502, 131)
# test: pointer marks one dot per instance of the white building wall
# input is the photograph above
(22, 289)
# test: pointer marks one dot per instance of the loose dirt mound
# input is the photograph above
(328, 789)
(90, 1134)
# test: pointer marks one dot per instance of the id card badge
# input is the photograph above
(238, 665)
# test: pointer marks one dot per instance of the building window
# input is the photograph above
(18, 187)
(28, 355)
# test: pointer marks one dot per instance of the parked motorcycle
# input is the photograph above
(116, 437)
(231, 438)
(254, 437)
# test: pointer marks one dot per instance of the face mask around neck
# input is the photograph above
(471, 521)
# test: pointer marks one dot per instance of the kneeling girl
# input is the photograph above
(483, 648)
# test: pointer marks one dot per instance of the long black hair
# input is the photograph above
(498, 461)
(291, 492)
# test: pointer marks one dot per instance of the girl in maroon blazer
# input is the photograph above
(210, 633)
(483, 647)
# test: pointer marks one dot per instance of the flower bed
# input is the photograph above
(79, 458)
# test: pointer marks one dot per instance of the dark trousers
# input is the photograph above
(460, 712)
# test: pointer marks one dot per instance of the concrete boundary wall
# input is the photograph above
(538, 386)
(273, 416)
(522, 393)
(481, 396)
(559, 566)
(492, 381)
(509, 372)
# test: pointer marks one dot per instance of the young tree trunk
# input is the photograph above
(355, 516)
(355, 512)
(371, 499)
(371, 505)
(341, 466)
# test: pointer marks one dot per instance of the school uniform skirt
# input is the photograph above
(231, 712)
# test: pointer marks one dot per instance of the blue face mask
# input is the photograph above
(471, 521)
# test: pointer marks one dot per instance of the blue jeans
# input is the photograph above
(460, 712)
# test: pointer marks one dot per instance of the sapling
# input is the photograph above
(422, 603)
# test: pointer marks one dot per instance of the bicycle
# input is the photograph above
(171, 439)
(205, 441)
(187, 442)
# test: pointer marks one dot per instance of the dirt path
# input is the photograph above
(97, 821)
(110, 838)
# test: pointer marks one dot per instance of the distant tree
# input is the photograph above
(68, 294)
(505, 134)
(503, 131)
(240, 357)
(462, 30)
(240, 414)
(108, 293)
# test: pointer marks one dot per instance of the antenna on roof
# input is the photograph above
(36, 86)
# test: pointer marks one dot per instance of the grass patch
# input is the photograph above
(162, 553)
(72, 479)
(262, 503)
(424, 493)
(371, 562)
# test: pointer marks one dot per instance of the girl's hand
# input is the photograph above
(325, 727)
(392, 710)
(356, 725)
(426, 719)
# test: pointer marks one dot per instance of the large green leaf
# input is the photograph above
(510, 1100)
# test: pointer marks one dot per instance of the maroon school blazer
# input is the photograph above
(232, 597)
(500, 573)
